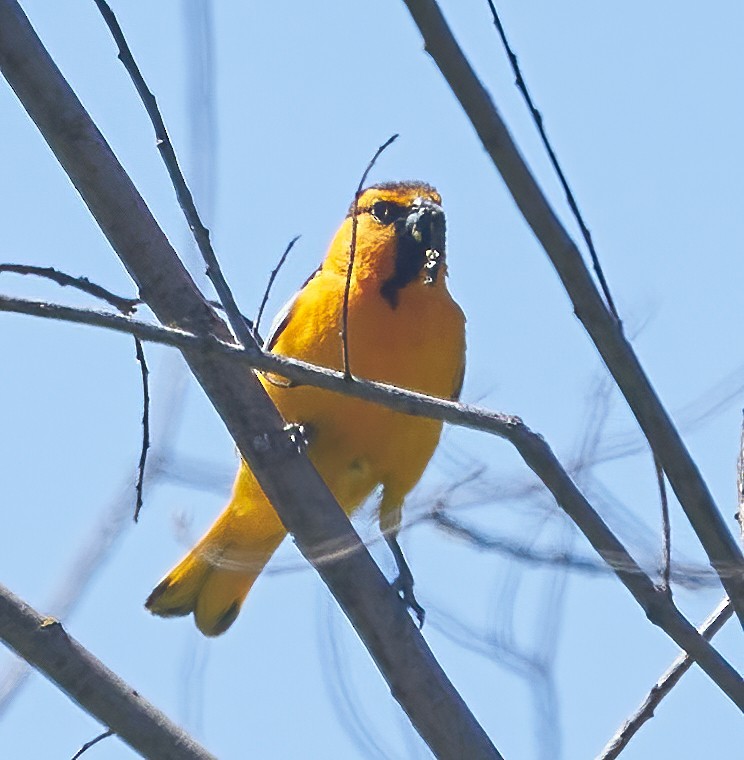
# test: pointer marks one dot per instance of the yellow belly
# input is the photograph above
(357, 445)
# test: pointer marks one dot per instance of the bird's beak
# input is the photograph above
(426, 227)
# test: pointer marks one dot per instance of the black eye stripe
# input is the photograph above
(385, 212)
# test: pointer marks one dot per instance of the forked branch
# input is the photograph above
(604, 330)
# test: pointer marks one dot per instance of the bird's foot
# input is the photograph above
(300, 435)
(403, 586)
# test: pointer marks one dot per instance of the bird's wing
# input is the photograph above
(460, 381)
(281, 320)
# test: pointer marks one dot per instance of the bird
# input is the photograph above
(403, 328)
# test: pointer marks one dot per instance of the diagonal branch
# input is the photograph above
(301, 498)
(256, 327)
(124, 305)
(540, 124)
(46, 645)
(533, 449)
(666, 443)
(663, 686)
(92, 743)
(183, 194)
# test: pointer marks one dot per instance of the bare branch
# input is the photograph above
(91, 743)
(533, 449)
(124, 305)
(145, 425)
(46, 645)
(269, 284)
(666, 531)
(539, 123)
(666, 443)
(299, 495)
(183, 194)
(664, 685)
(352, 254)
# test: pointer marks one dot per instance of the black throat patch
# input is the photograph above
(410, 258)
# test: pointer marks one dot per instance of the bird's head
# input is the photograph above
(400, 238)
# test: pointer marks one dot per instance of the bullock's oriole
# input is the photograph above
(405, 329)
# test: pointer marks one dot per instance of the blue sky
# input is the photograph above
(640, 101)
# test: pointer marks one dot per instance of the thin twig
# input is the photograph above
(681, 470)
(183, 194)
(534, 450)
(88, 745)
(539, 123)
(269, 285)
(124, 305)
(664, 685)
(140, 353)
(352, 254)
(666, 531)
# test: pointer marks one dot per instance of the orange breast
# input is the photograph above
(420, 345)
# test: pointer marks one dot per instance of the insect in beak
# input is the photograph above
(425, 225)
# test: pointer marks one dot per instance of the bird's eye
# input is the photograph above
(385, 212)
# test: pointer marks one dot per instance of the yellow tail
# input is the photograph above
(195, 585)
(212, 586)
(214, 578)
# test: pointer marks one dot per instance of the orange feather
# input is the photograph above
(417, 342)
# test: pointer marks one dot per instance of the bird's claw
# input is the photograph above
(404, 589)
(299, 434)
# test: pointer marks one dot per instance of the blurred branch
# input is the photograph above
(45, 644)
(532, 447)
(215, 478)
(531, 555)
(663, 686)
(111, 524)
(201, 167)
(299, 495)
(103, 535)
(532, 664)
(349, 700)
(682, 472)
